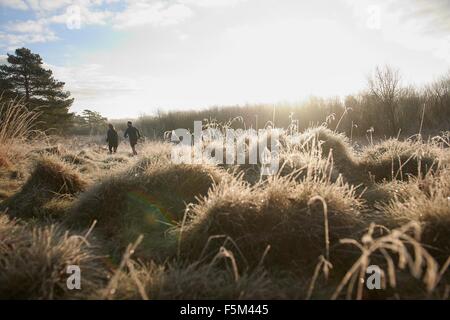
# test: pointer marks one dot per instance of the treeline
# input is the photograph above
(88, 123)
(384, 108)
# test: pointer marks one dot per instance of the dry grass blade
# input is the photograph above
(226, 254)
(325, 221)
(112, 285)
(324, 266)
(398, 242)
(16, 121)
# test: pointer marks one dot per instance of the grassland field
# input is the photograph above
(143, 227)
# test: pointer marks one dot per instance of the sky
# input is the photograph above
(126, 58)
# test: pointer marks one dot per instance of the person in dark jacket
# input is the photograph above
(112, 138)
(133, 134)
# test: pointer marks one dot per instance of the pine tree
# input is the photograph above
(94, 121)
(25, 77)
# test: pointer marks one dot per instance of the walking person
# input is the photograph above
(133, 134)
(112, 138)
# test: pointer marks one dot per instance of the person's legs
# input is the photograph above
(133, 146)
(115, 149)
(110, 148)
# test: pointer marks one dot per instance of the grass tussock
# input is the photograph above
(5, 162)
(92, 164)
(194, 281)
(157, 154)
(407, 269)
(11, 179)
(180, 280)
(327, 153)
(300, 156)
(386, 161)
(127, 205)
(50, 179)
(397, 160)
(329, 141)
(50, 150)
(279, 223)
(428, 204)
(75, 159)
(34, 261)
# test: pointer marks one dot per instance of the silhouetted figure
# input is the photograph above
(112, 138)
(133, 134)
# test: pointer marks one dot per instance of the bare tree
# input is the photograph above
(440, 89)
(437, 98)
(384, 84)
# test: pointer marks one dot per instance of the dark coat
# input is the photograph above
(112, 137)
(133, 134)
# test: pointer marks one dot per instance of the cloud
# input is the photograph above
(47, 5)
(29, 26)
(94, 86)
(13, 41)
(426, 16)
(212, 3)
(91, 80)
(3, 59)
(80, 16)
(422, 25)
(14, 4)
(80, 13)
(433, 16)
(151, 13)
(90, 83)
(20, 33)
(415, 24)
(75, 16)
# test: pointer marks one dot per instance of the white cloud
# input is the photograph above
(14, 4)
(76, 14)
(183, 36)
(13, 41)
(39, 30)
(422, 26)
(79, 13)
(20, 33)
(212, 3)
(151, 13)
(84, 15)
(3, 59)
(92, 80)
(29, 26)
(431, 16)
(48, 5)
(94, 86)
